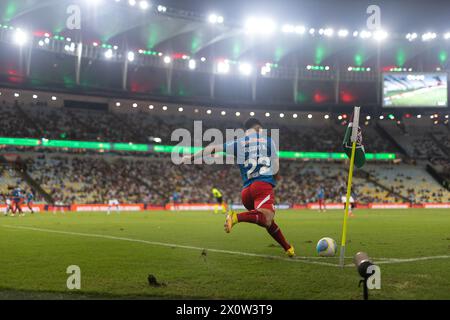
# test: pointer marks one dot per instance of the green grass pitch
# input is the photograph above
(429, 98)
(116, 253)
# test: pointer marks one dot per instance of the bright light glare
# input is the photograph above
(20, 37)
(263, 26)
(192, 64)
(223, 67)
(245, 68)
(130, 56)
(108, 54)
(342, 33)
(380, 35)
(144, 5)
(167, 60)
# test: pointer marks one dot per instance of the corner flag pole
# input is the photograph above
(353, 140)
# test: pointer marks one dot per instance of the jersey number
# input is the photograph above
(263, 162)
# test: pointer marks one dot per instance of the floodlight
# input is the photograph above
(167, 59)
(245, 68)
(192, 64)
(130, 56)
(108, 54)
(144, 5)
(263, 26)
(180, 109)
(20, 37)
(342, 33)
(380, 35)
(223, 67)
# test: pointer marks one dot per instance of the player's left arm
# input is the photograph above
(209, 150)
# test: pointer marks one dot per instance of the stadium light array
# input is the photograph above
(215, 19)
(16, 95)
(380, 35)
(317, 68)
(295, 116)
(192, 64)
(223, 67)
(20, 37)
(180, 109)
(447, 35)
(326, 117)
(130, 56)
(108, 54)
(164, 108)
(237, 113)
(167, 60)
(135, 105)
(208, 111)
(365, 34)
(144, 5)
(252, 114)
(428, 36)
(35, 96)
(54, 98)
(245, 68)
(262, 26)
(223, 113)
(118, 104)
(202, 59)
(310, 116)
(342, 33)
(161, 8)
(281, 115)
(411, 36)
(132, 2)
(358, 69)
(267, 114)
(151, 107)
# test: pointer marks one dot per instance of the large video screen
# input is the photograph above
(415, 90)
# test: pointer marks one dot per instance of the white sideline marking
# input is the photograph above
(163, 244)
(303, 259)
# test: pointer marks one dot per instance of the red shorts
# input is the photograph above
(258, 195)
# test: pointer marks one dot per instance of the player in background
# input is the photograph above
(321, 198)
(176, 199)
(8, 204)
(18, 197)
(113, 203)
(351, 206)
(258, 163)
(219, 198)
(29, 200)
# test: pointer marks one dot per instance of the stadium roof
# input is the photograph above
(183, 26)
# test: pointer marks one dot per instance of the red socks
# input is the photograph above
(258, 218)
(252, 216)
(275, 232)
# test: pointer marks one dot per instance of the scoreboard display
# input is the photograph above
(414, 89)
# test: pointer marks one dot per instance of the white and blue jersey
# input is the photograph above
(320, 193)
(255, 155)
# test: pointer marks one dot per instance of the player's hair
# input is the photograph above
(251, 122)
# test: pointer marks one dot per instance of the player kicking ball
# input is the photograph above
(258, 162)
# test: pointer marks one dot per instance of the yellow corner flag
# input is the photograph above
(355, 139)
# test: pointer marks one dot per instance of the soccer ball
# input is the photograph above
(326, 247)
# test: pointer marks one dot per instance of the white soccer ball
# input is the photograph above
(326, 247)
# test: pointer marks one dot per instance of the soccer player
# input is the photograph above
(7, 201)
(219, 198)
(17, 200)
(258, 163)
(351, 203)
(321, 198)
(176, 198)
(113, 203)
(29, 200)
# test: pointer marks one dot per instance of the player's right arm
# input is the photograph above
(209, 150)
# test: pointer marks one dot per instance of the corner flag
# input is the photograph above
(360, 153)
(354, 149)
